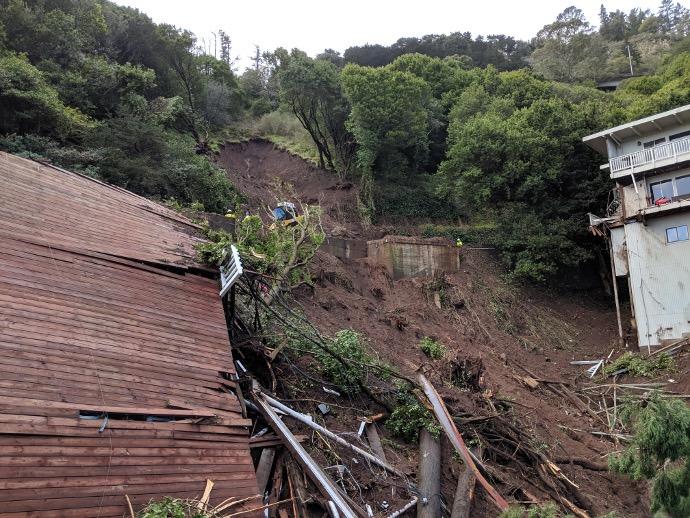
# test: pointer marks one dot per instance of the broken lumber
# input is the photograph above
(268, 441)
(429, 476)
(317, 475)
(307, 421)
(375, 441)
(263, 470)
(456, 440)
(203, 501)
(675, 345)
(464, 494)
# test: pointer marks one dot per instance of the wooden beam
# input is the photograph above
(429, 476)
(443, 417)
(263, 470)
(375, 441)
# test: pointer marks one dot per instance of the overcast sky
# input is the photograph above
(314, 25)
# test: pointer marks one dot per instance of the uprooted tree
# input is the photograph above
(280, 253)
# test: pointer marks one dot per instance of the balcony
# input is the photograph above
(648, 159)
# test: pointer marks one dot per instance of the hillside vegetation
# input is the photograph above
(481, 136)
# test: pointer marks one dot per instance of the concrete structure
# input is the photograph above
(414, 257)
(648, 220)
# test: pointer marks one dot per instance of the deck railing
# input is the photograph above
(230, 270)
(672, 149)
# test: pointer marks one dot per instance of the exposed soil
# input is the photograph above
(263, 173)
(495, 333)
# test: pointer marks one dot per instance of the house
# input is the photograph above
(648, 219)
(116, 375)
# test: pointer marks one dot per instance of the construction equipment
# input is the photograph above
(286, 215)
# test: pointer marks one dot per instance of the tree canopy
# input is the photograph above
(102, 89)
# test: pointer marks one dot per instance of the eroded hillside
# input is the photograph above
(505, 372)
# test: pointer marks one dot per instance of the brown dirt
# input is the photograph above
(260, 171)
(496, 329)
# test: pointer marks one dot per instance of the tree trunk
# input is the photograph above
(462, 504)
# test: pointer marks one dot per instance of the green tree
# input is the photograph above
(567, 50)
(390, 121)
(659, 451)
(311, 90)
(515, 157)
(29, 104)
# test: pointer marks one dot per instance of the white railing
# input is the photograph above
(230, 270)
(650, 156)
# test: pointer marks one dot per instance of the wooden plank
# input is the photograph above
(123, 424)
(26, 472)
(124, 441)
(91, 484)
(8, 400)
(263, 470)
(234, 431)
(170, 462)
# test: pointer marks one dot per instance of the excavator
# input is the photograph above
(286, 214)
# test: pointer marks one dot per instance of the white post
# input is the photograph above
(632, 175)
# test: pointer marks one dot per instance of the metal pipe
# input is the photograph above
(307, 420)
(320, 478)
(402, 511)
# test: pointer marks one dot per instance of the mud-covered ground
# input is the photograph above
(494, 329)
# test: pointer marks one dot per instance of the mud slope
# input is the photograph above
(260, 170)
(495, 334)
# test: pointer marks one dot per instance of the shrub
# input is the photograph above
(433, 349)
(347, 344)
(482, 233)
(409, 416)
(172, 508)
(415, 200)
(640, 366)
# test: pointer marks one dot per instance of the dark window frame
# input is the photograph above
(653, 143)
(680, 135)
(677, 230)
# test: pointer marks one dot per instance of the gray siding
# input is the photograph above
(659, 279)
(630, 145)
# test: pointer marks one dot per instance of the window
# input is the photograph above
(662, 190)
(653, 143)
(682, 134)
(674, 234)
(683, 185)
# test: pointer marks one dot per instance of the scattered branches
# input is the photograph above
(636, 365)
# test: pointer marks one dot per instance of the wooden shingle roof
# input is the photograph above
(115, 374)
